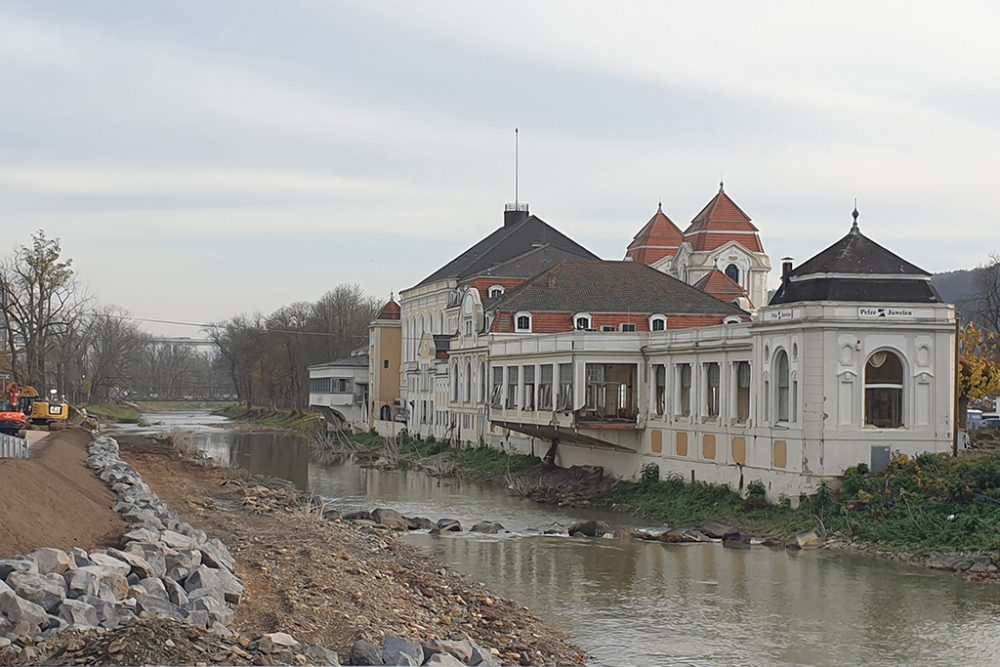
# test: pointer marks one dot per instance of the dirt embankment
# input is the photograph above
(329, 583)
(54, 499)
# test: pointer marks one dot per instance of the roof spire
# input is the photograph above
(854, 214)
(659, 204)
(722, 184)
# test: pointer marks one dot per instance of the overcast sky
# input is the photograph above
(200, 159)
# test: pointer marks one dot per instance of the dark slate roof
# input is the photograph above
(864, 272)
(531, 263)
(597, 286)
(357, 360)
(856, 253)
(505, 244)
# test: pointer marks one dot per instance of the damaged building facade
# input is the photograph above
(675, 357)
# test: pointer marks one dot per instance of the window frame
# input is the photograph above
(517, 321)
(582, 316)
(657, 317)
(621, 327)
(782, 383)
(495, 288)
(900, 387)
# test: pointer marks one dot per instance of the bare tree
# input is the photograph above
(987, 299)
(40, 301)
(240, 341)
(114, 343)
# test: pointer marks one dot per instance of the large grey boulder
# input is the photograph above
(137, 564)
(215, 554)
(175, 592)
(152, 553)
(20, 611)
(488, 527)
(390, 519)
(110, 562)
(141, 535)
(449, 525)
(206, 577)
(52, 560)
(589, 528)
(277, 641)
(80, 557)
(364, 652)
(461, 650)
(154, 586)
(178, 541)
(419, 523)
(481, 657)
(46, 590)
(715, 530)
(216, 610)
(399, 651)
(444, 660)
(20, 564)
(79, 613)
(97, 580)
(157, 607)
(184, 559)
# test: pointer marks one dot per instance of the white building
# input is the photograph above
(340, 390)
(851, 362)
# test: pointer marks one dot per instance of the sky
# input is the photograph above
(203, 159)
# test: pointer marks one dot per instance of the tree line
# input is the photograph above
(56, 336)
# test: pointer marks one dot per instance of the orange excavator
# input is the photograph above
(12, 417)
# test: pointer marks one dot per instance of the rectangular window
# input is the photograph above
(607, 327)
(684, 390)
(661, 388)
(496, 393)
(742, 391)
(628, 327)
(321, 385)
(529, 388)
(565, 400)
(712, 389)
(545, 388)
(511, 403)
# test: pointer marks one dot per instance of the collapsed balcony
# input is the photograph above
(610, 394)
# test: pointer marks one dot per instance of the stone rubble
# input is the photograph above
(166, 568)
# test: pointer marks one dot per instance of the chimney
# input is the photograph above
(786, 269)
(514, 213)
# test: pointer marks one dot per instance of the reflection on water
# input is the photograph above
(637, 603)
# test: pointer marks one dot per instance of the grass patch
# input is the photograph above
(303, 422)
(487, 464)
(173, 406)
(116, 414)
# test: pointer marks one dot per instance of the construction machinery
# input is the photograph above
(38, 410)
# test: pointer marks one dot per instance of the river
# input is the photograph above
(648, 603)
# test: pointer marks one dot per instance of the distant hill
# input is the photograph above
(957, 287)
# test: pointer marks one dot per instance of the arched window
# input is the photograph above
(581, 321)
(468, 382)
(781, 384)
(495, 291)
(657, 323)
(454, 384)
(733, 272)
(884, 390)
(522, 322)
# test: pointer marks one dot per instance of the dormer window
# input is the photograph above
(522, 323)
(732, 319)
(581, 321)
(495, 291)
(658, 323)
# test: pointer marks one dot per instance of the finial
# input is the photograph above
(392, 296)
(854, 214)
(722, 184)
(659, 205)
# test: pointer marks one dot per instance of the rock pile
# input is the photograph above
(165, 568)
(443, 653)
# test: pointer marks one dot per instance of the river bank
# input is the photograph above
(933, 510)
(323, 582)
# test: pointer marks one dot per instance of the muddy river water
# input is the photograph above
(654, 604)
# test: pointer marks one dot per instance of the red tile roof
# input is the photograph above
(720, 222)
(659, 238)
(721, 286)
(390, 311)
